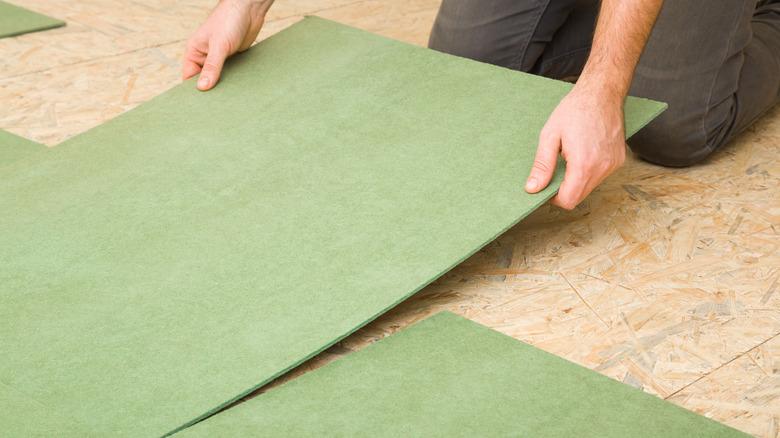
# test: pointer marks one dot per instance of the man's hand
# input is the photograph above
(232, 27)
(587, 130)
(587, 127)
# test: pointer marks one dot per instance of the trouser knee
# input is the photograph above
(491, 31)
(690, 129)
(669, 143)
(450, 37)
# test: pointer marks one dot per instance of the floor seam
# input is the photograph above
(702, 377)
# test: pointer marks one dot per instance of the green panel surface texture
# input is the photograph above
(13, 148)
(447, 376)
(15, 20)
(170, 261)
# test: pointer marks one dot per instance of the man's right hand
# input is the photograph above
(232, 27)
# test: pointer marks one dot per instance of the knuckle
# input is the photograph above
(567, 198)
(541, 166)
(194, 44)
(210, 67)
(566, 204)
(223, 45)
(569, 204)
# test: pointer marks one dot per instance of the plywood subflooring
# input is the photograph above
(665, 279)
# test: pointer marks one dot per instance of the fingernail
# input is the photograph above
(532, 184)
(204, 82)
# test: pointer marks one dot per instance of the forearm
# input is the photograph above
(622, 31)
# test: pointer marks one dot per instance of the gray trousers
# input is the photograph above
(715, 62)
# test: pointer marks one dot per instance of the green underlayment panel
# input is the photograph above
(448, 376)
(15, 20)
(175, 258)
(13, 148)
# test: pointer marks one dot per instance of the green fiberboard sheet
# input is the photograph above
(13, 148)
(15, 20)
(447, 376)
(173, 259)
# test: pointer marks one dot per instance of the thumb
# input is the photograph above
(212, 67)
(544, 163)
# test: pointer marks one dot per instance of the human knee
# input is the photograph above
(457, 38)
(670, 144)
(479, 30)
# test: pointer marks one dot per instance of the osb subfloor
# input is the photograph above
(665, 279)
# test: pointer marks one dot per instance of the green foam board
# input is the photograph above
(15, 20)
(175, 258)
(448, 376)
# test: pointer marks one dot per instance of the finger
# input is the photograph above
(573, 188)
(544, 163)
(193, 59)
(595, 175)
(212, 66)
(189, 69)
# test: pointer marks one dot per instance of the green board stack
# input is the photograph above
(15, 20)
(447, 376)
(170, 261)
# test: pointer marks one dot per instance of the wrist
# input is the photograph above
(604, 89)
